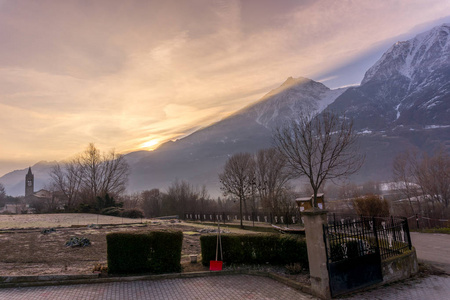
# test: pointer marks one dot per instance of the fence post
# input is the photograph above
(393, 228)
(287, 220)
(407, 233)
(375, 233)
(315, 219)
(417, 221)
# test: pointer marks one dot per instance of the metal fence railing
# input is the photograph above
(349, 240)
(228, 217)
(357, 237)
(419, 222)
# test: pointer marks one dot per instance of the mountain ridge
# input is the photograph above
(403, 102)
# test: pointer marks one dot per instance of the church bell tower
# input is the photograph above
(29, 183)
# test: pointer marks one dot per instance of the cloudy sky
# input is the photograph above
(130, 75)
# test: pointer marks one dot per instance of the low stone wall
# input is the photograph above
(400, 267)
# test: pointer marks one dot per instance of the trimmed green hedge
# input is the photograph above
(256, 249)
(144, 252)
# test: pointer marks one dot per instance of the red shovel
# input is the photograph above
(216, 265)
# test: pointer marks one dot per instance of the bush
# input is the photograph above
(84, 208)
(256, 249)
(133, 213)
(372, 206)
(111, 211)
(149, 252)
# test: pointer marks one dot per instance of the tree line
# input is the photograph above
(315, 148)
(424, 182)
(90, 180)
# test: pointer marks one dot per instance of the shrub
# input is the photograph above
(294, 268)
(372, 206)
(84, 208)
(111, 211)
(133, 213)
(256, 249)
(152, 252)
(165, 252)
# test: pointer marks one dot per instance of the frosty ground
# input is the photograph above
(36, 244)
(27, 250)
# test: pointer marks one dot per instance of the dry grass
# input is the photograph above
(27, 251)
(59, 220)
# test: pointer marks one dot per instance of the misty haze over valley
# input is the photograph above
(403, 102)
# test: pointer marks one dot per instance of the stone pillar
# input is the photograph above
(314, 219)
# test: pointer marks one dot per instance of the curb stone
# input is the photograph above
(53, 280)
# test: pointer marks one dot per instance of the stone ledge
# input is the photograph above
(400, 267)
(53, 280)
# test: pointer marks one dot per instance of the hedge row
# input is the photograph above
(144, 252)
(256, 249)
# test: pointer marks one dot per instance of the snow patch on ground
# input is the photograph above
(436, 126)
(365, 132)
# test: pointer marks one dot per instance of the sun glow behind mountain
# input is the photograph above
(150, 145)
(131, 74)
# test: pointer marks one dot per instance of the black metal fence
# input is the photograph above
(419, 222)
(415, 222)
(351, 237)
(224, 217)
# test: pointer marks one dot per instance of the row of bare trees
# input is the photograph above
(319, 147)
(258, 180)
(179, 198)
(424, 181)
(90, 176)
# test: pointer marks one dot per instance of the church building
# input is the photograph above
(42, 200)
(29, 183)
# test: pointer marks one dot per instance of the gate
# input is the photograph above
(353, 256)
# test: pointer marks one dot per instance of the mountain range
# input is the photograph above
(403, 102)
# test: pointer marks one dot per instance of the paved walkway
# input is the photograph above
(222, 287)
(216, 287)
(433, 248)
(430, 247)
(430, 288)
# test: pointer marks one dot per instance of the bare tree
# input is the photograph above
(91, 174)
(319, 147)
(434, 177)
(180, 197)
(204, 198)
(405, 169)
(103, 174)
(236, 179)
(286, 201)
(90, 162)
(151, 203)
(66, 179)
(132, 201)
(271, 178)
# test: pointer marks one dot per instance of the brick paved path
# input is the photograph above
(223, 287)
(216, 287)
(429, 288)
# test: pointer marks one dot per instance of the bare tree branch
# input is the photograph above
(319, 147)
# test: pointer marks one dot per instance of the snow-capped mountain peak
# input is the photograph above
(294, 96)
(428, 51)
